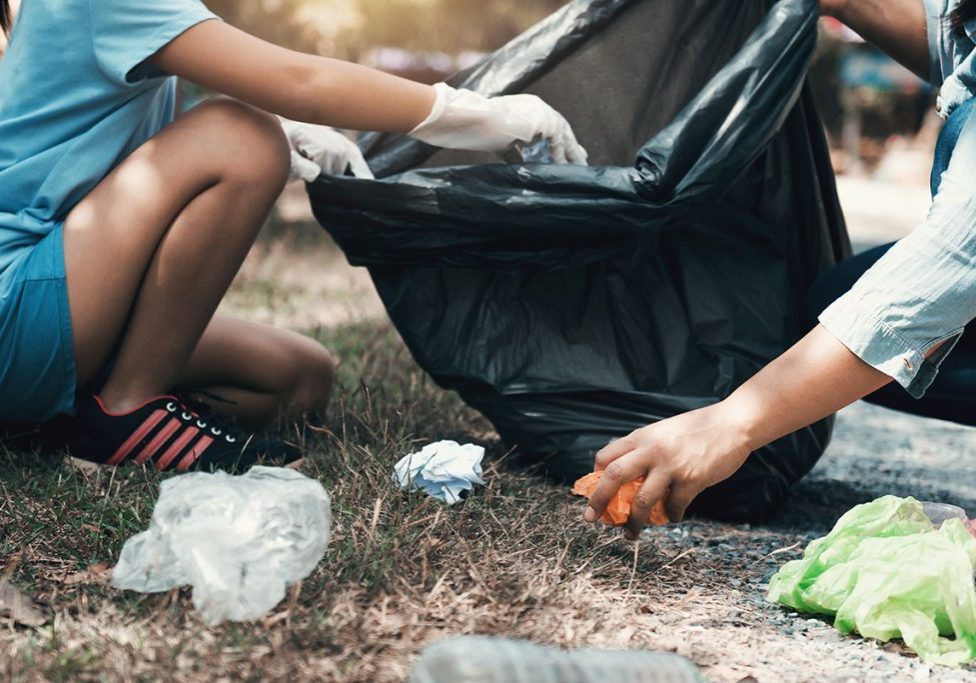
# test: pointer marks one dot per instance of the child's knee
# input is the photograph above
(313, 381)
(256, 149)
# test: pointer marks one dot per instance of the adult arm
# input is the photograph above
(688, 453)
(897, 27)
(899, 321)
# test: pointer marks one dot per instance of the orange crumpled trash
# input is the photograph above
(618, 509)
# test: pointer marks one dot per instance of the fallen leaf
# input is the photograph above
(97, 574)
(19, 608)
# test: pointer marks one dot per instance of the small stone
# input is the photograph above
(923, 673)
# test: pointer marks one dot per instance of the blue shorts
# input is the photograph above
(37, 361)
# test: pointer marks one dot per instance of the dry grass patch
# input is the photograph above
(402, 571)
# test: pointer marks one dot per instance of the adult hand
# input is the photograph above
(679, 459)
(463, 119)
(319, 149)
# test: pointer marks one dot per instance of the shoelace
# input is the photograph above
(204, 417)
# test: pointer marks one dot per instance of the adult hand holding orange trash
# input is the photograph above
(682, 456)
(678, 459)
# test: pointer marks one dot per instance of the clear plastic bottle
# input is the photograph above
(538, 152)
(480, 659)
(940, 512)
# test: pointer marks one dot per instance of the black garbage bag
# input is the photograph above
(572, 305)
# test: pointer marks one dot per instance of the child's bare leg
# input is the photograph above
(151, 251)
(265, 373)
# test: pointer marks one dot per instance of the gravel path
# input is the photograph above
(722, 621)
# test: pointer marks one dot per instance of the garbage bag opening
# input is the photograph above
(640, 97)
(572, 305)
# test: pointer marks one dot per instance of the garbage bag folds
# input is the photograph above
(572, 304)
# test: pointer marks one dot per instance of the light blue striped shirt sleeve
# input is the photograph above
(952, 59)
(905, 314)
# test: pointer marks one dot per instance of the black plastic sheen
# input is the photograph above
(572, 305)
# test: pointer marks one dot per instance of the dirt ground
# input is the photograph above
(725, 625)
(403, 572)
(721, 620)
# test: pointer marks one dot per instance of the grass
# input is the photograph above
(402, 570)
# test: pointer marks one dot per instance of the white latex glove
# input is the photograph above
(463, 119)
(317, 150)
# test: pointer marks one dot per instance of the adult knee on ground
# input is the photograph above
(251, 144)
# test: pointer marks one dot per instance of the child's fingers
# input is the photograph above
(359, 167)
(304, 169)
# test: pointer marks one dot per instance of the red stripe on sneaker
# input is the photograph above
(161, 437)
(137, 436)
(182, 442)
(198, 448)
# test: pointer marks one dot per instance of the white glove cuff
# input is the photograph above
(442, 92)
(463, 119)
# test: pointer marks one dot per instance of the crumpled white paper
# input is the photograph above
(238, 540)
(443, 470)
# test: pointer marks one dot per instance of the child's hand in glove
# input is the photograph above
(318, 150)
(462, 119)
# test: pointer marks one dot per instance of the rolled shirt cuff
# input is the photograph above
(879, 345)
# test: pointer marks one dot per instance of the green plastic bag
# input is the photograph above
(886, 572)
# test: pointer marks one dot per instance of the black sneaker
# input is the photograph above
(172, 436)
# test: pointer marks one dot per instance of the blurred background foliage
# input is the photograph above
(351, 28)
(280, 21)
(446, 25)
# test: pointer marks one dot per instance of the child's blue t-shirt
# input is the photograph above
(76, 98)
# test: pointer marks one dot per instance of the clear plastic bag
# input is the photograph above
(239, 541)
(480, 659)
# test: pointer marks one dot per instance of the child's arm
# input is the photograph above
(295, 85)
(336, 93)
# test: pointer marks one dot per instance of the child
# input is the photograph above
(121, 227)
